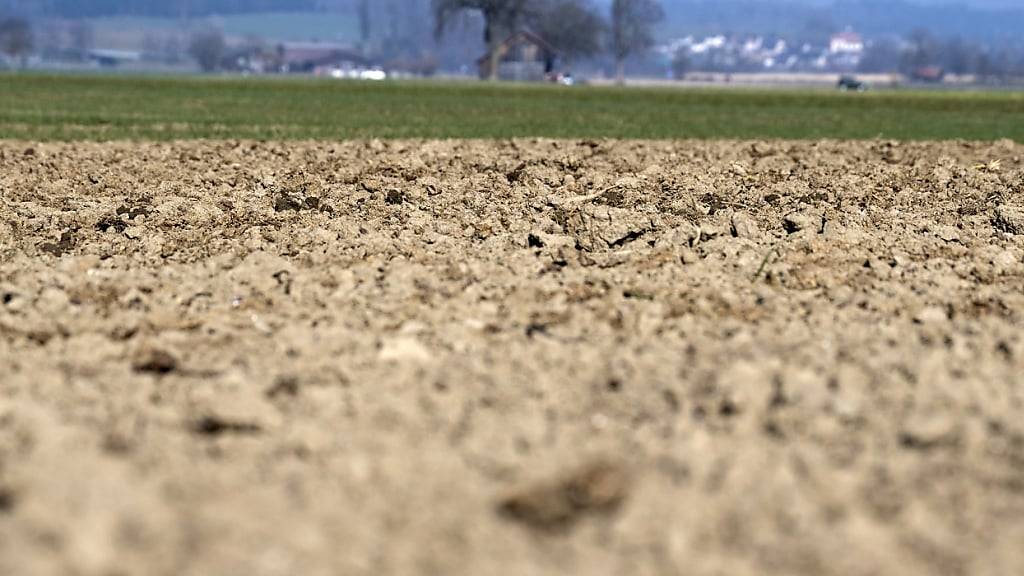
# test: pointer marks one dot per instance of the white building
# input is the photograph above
(846, 43)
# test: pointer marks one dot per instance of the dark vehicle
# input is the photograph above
(848, 83)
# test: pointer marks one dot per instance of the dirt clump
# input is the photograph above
(154, 361)
(598, 486)
(1010, 219)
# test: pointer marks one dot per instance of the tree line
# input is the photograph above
(954, 55)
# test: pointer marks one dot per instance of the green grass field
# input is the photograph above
(40, 107)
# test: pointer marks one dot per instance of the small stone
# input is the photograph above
(1006, 260)
(12, 299)
(286, 385)
(404, 349)
(111, 224)
(709, 230)
(846, 409)
(52, 301)
(1009, 219)
(236, 407)
(801, 221)
(684, 235)
(214, 425)
(288, 201)
(154, 361)
(430, 185)
(931, 315)
(598, 486)
(947, 233)
(7, 500)
(394, 197)
(744, 226)
(927, 431)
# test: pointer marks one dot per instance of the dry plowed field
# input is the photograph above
(526, 357)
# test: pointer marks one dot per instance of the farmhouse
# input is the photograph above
(846, 43)
(523, 56)
(931, 74)
(310, 56)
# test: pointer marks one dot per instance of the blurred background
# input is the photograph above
(919, 42)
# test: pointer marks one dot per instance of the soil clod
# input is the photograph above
(7, 500)
(65, 244)
(802, 221)
(215, 426)
(154, 361)
(596, 487)
(1010, 219)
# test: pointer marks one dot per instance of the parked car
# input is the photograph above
(848, 83)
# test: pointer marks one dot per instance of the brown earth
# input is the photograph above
(527, 357)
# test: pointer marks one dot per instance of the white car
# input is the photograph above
(374, 74)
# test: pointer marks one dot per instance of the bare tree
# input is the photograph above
(992, 68)
(500, 17)
(16, 39)
(172, 47)
(680, 64)
(631, 24)
(207, 47)
(364, 22)
(817, 29)
(48, 39)
(881, 56)
(572, 27)
(82, 38)
(959, 56)
(922, 51)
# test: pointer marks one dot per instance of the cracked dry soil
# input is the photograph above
(522, 357)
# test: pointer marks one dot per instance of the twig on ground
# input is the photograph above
(764, 261)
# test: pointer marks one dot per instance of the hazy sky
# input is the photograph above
(976, 3)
